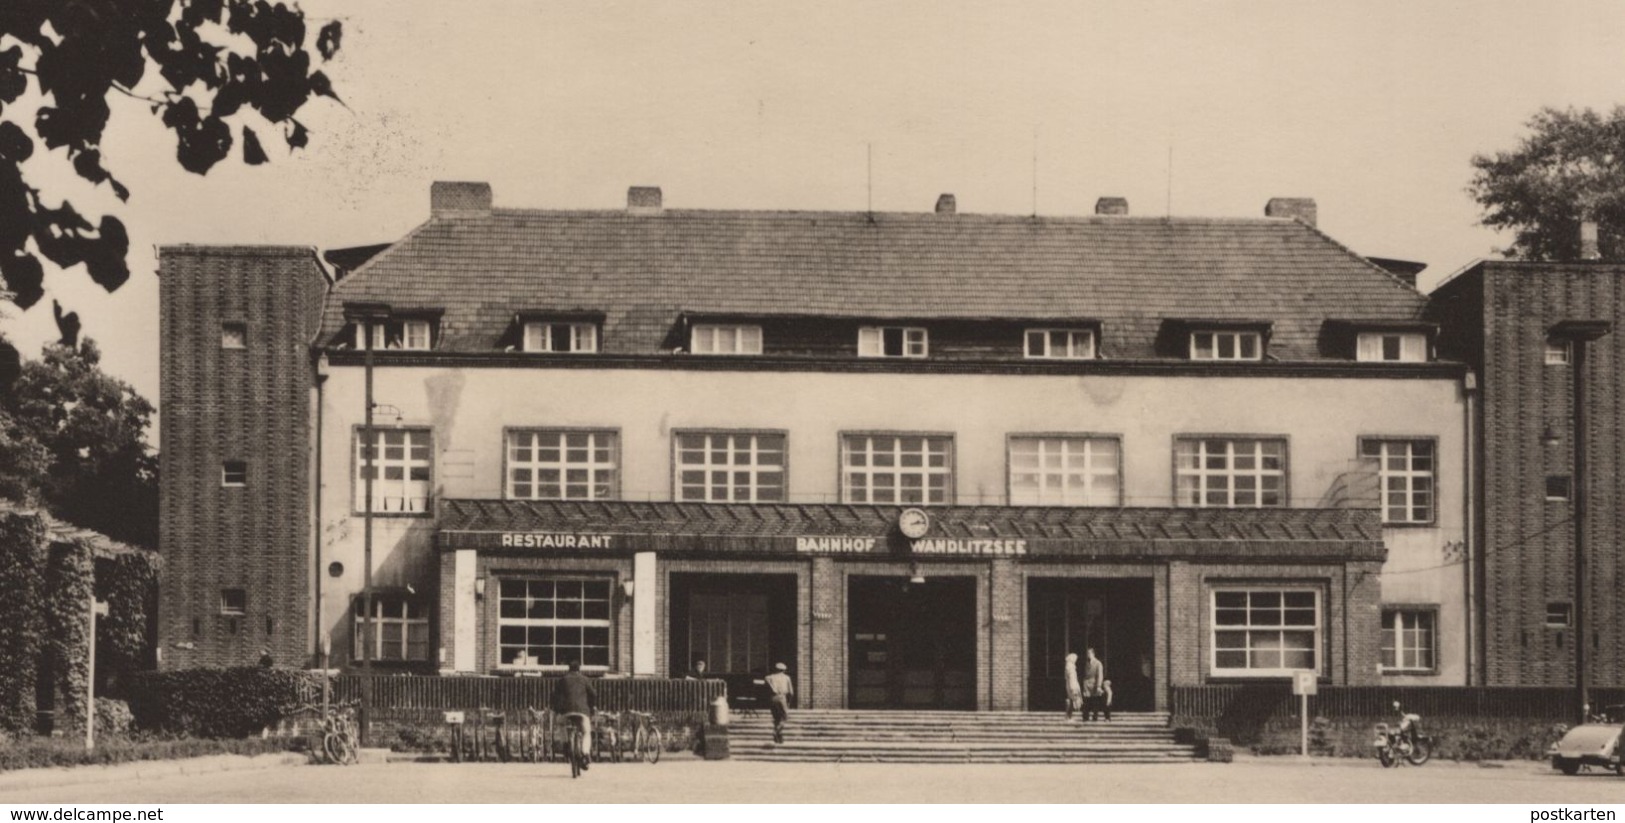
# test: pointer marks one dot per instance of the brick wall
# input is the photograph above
(250, 404)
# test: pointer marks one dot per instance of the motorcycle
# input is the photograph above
(1403, 742)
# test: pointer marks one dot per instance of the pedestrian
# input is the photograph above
(781, 688)
(698, 670)
(1094, 676)
(1106, 697)
(1074, 692)
(265, 658)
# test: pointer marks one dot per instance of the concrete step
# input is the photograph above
(953, 734)
(969, 758)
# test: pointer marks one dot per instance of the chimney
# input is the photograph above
(1292, 208)
(643, 200)
(1112, 205)
(450, 199)
(1588, 240)
(946, 204)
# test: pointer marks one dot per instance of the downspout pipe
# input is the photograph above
(1469, 385)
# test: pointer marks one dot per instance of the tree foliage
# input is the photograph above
(1570, 167)
(100, 472)
(197, 64)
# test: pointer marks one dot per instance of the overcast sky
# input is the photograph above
(1373, 108)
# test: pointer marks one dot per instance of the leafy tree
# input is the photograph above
(100, 472)
(1570, 167)
(213, 59)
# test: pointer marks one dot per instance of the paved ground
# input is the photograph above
(678, 781)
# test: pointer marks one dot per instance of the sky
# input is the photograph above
(1373, 108)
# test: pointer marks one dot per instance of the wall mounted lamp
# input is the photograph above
(1549, 438)
(479, 587)
(915, 575)
(628, 587)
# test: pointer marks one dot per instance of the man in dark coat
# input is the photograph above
(575, 700)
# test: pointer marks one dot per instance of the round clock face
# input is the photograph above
(913, 523)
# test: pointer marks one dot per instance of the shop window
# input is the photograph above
(562, 465)
(1559, 352)
(1265, 631)
(1061, 344)
(400, 464)
(896, 468)
(1559, 615)
(721, 467)
(715, 339)
(543, 624)
(1227, 345)
(233, 601)
(1557, 487)
(233, 335)
(399, 630)
(891, 341)
(1405, 476)
(728, 631)
(1391, 347)
(1065, 471)
(397, 334)
(1409, 639)
(234, 473)
(561, 338)
(1230, 473)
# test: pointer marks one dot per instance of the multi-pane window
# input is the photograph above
(234, 473)
(576, 338)
(1408, 639)
(1230, 473)
(1405, 474)
(562, 465)
(233, 335)
(399, 629)
(1559, 615)
(721, 467)
(546, 623)
(233, 601)
(395, 334)
(1398, 347)
(1559, 352)
(1068, 344)
(891, 341)
(1265, 631)
(1227, 345)
(1557, 487)
(399, 463)
(728, 631)
(896, 468)
(1065, 471)
(714, 339)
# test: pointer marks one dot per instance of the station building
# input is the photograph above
(918, 457)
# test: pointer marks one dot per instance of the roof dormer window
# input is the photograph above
(891, 341)
(710, 338)
(1226, 345)
(561, 338)
(1391, 347)
(406, 335)
(1061, 344)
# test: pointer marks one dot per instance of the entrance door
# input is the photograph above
(912, 645)
(1114, 617)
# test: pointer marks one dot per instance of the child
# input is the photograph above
(1106, 687)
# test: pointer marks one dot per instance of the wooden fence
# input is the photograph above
(1262, 702)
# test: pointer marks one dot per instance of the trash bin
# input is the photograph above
(719, 712)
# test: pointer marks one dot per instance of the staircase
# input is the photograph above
(855, 736)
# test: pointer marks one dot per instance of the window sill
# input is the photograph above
(361, 513)
(1431, 524)
(1411, 672)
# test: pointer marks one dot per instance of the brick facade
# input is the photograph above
(250, 404)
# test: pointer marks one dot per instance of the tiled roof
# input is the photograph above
(643, 271)
(968, 522)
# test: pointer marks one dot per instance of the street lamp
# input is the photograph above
(1577, 333)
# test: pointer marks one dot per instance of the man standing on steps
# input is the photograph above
(1094, 685)
(781, 688)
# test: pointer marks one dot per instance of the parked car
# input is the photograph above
(1593, 743)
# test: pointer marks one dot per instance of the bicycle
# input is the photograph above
(535, 744)
(576, 748)
(340, 743)
(647, 740)
(606, 733)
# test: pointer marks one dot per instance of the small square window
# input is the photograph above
(233, 335)
(1557, 487)
(1558, 352)
(1559, 615)
(233, 601)
(234, 473)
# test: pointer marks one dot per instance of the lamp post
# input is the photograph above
(1577, 333)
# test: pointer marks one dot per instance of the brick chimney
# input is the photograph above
(643, 200)
(1112, 205)
(1292, 208)
(946, 204)
(452, 199)
(1589, 250)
